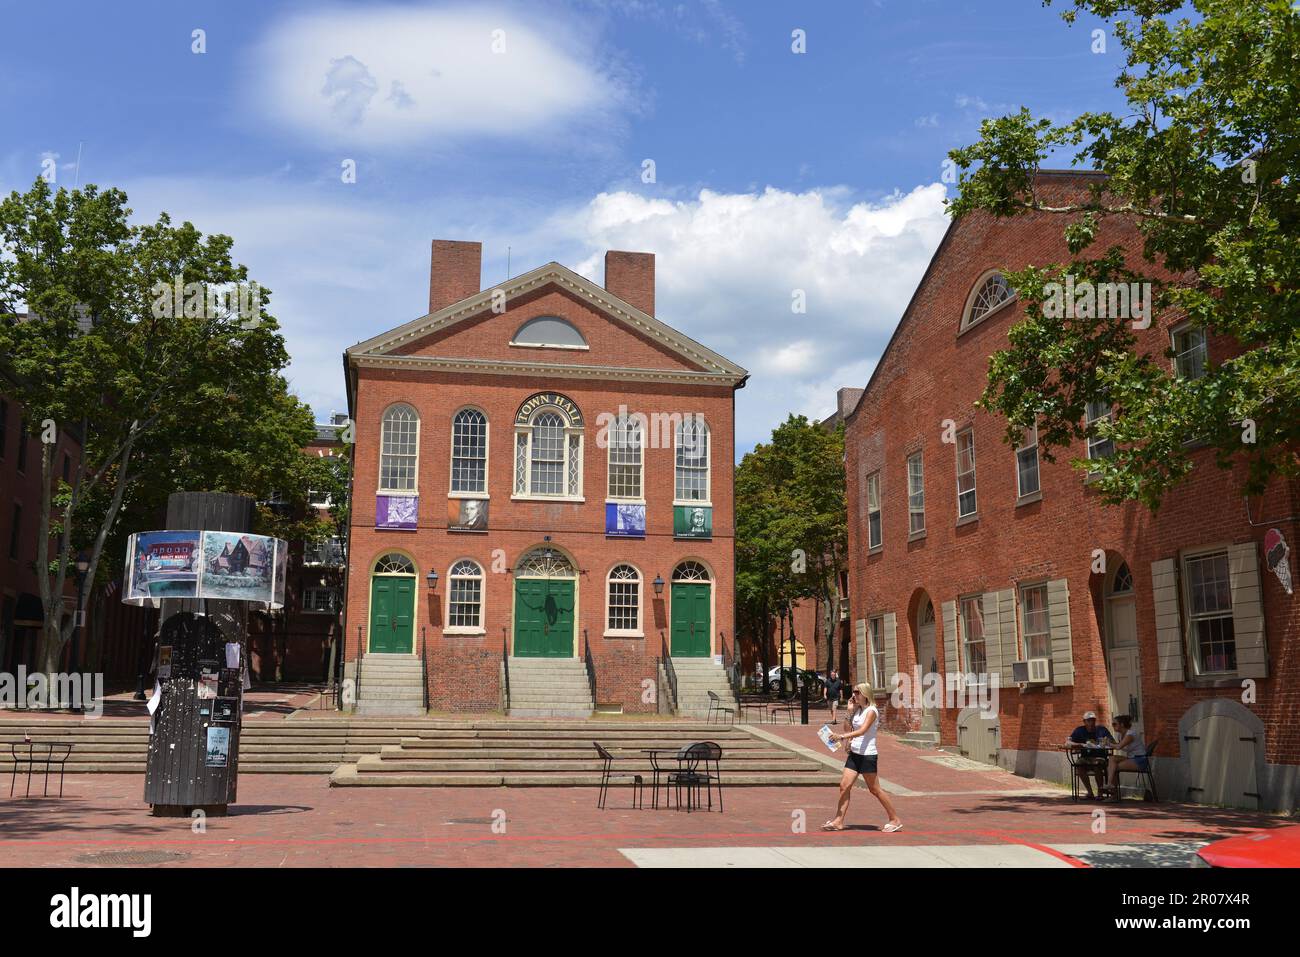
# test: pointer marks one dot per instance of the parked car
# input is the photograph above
(814, 680)
(1279, 847)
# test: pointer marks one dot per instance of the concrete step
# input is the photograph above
(348, 776)
(920, 739)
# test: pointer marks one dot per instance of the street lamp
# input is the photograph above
(780, 656)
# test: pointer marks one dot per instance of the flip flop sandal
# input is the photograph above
(830, 826)
(891, 828)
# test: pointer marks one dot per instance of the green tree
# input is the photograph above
(163, 392)
(791, 531)
(1204, 161)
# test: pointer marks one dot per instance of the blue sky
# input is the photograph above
(774, 171)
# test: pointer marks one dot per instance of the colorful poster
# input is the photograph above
(396, 511)
(238, 566)
(218, 751)
(692, 521)
(164, 565)
(467, 514)
(164, 662)
(624, 521)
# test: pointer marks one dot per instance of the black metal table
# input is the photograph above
(55, 754)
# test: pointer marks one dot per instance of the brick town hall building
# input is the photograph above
(542, 499)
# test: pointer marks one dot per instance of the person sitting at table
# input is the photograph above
(1094, 759)
(1131, 753)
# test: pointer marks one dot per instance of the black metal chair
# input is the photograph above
(55, 755)
(1081, 765)
(699, 766)
(1151, 793)
(717, 708)
(607, 774)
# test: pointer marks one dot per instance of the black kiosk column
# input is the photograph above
(202, 643)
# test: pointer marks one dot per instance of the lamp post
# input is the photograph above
(780, 657)
(82, 566)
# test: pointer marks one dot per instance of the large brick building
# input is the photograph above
(968, 556)
(561, 460)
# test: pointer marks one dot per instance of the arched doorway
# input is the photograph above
(392, 605)
(925, 657)
(545, 604)
(1123, 668)
(692, 611)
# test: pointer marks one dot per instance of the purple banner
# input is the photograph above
(396, 511)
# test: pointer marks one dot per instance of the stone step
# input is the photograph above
(920, 739)
(347, 776)
(375, 765)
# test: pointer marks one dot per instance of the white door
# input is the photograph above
(1123, 665)
(926, 659)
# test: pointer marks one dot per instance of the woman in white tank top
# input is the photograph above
(864, 720)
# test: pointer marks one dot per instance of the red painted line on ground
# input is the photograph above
(1072, 861)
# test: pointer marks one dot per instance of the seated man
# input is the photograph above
(1090, 732)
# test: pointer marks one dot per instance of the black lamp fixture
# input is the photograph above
(432, 580)
(546, 552)
(659, 585)
(83, 564)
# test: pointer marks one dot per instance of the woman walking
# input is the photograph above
(864, 719)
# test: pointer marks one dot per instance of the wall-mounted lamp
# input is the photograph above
(432, 580)
(659, 585)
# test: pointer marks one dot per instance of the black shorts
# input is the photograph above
(861, 763)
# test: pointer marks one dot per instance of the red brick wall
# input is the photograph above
(455, 272)
(631, 277)
(462, 668)
(929, 374)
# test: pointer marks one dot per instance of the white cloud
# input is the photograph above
(384, 76)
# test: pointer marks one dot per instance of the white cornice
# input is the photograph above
(711, 362)
(544, 369)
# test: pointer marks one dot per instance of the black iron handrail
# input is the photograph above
(424, 665)
(591, 667)
(729, 664)
(505, 670)
(356, 681)
(669, 672)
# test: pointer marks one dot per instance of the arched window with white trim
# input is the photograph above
(626, 440)
(990, 294)
(548, 451)
(691, 482)
(399, 449)
(465, 597)
(623, 601)
(469, 451)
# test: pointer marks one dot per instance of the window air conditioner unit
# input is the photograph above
(1035, 671)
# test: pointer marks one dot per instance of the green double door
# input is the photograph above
(544, 610)
(691, 620)
(392, 614)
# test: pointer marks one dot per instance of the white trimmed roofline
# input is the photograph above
(715, 367)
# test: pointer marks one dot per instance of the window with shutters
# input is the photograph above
(970, 611)
(966, 505)
(1035, 621)
(1209, 612)
(915, 494)
(876, 634)
(874, 530)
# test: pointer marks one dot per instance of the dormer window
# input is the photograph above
(549, 332)
(990, 294)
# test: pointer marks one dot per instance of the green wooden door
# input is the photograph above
(392, 614)
(691, 623)
(544, 618)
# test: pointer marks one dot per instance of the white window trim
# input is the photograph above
(966, 323)
(487, 453)
(974, 489)
(1191, 646)
(874, 479)
(872, 633)
(1178, 330)
(1091, 442)
(639, 631)
(963, 643)
(920, 457)
(610, 497)
(419, 437)
(315, 611)
(482, 600)
(1021, 493)
(526, 429)
(696, 417)
(1023, 637)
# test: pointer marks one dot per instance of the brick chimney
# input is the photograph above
(631, 277)
(455, 272)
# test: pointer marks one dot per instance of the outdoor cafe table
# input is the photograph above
(655, 767)
(1089, 763)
